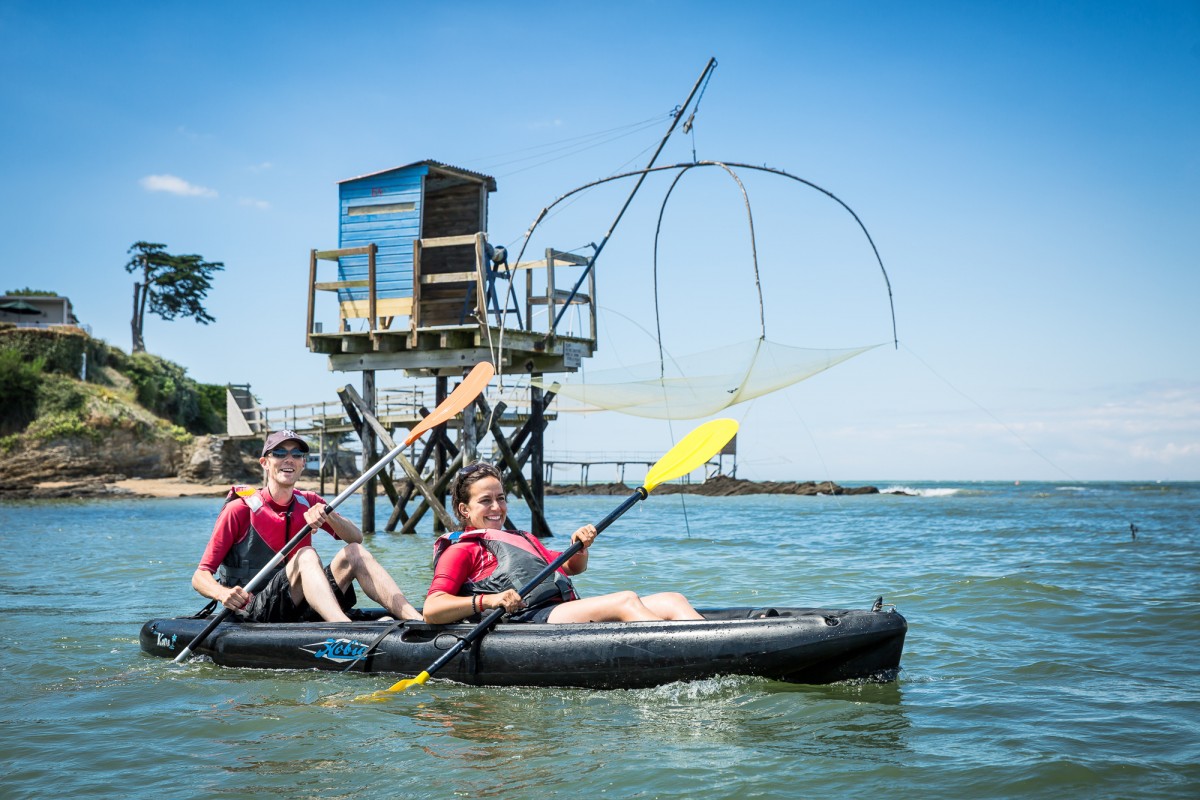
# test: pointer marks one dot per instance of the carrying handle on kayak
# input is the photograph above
(693, 451)
(470, 388)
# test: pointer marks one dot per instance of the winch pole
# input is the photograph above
(712, 63)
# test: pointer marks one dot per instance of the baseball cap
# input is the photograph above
(279, 437)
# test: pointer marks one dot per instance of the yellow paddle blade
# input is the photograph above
(400, 686)
(474, 383)
(692, 451)
(383, 695)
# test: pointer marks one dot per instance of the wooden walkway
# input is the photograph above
(396, 409)
(617, 462)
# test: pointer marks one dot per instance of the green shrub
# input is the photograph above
(20, 380)
(164, 388)
(212, 407)
(59, 394)
(60, 425)
(61, 348)
(101, 354)
(27, 292)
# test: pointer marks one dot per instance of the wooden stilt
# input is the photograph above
(367, 435)
(469, 444)
(321, 459)
(439, 523)
(536, 460)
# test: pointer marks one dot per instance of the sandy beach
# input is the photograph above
(141, 487)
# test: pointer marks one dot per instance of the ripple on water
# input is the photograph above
(1048, 655)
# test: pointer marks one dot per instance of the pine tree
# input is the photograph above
(171, 286)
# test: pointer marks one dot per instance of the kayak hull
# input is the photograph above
(796, 645)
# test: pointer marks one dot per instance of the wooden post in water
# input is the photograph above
(440, 456)
(368, 440)
(467, 441)
(321, 456)
(537, 484)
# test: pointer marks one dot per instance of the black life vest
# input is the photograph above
(247, 558)
(518, 561)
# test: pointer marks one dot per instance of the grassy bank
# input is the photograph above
(61, 384)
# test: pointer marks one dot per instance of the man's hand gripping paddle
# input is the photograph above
(470, 388)
(693, 451)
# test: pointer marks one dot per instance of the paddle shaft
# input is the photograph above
(495, 614)
(265, 573)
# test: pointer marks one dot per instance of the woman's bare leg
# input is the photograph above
(671, 605)
(616, 607)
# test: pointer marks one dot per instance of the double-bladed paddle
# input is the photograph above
(470, 388)
(694, 450)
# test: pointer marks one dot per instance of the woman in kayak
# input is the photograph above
(482, 567)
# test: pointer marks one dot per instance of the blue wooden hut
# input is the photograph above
(393, 208)
(419, 287)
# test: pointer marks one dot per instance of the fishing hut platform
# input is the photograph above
(420, 289)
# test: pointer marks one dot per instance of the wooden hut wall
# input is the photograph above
(454, 210)
(450, 209)
(384, 209)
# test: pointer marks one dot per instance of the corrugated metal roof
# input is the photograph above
(433, 165)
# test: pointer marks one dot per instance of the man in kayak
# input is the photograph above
(252, 528)
(482, 567)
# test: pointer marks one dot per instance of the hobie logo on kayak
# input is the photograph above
(166, 641)
(339, 650)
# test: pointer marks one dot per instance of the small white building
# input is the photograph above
(37, 310)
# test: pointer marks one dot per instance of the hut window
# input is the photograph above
(384, 208)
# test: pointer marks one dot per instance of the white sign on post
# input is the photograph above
(572, 354)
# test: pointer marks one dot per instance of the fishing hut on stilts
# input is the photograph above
(419, 288)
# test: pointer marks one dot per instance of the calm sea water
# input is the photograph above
(1049, 655)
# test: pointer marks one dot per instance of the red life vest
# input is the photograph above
(518, 561)
(247, 558)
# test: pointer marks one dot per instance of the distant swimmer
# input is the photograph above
(1133, 529)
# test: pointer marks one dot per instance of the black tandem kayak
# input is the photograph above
(797, 645)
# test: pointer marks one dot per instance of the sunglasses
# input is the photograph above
(283, 452)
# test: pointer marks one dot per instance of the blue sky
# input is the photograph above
(1029, 171)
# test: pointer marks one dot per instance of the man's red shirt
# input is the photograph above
(234, 524)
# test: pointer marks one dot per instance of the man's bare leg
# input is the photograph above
(307, 577)
(355, 563)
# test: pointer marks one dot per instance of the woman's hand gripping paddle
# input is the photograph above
(470, 388)
(693, 451)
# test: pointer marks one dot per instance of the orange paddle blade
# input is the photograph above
(470, 388)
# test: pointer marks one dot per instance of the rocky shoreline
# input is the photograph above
(721, 486)
(120, 486)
